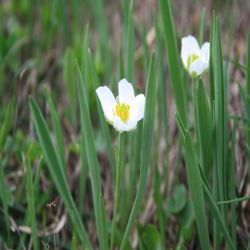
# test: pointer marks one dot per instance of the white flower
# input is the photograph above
(126, 110)
(194, 58)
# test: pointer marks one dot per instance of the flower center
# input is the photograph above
(191, 59)
(122, 110)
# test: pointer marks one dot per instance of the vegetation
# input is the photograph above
(165, 165)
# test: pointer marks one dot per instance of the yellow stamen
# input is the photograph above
(122, 110)
(191, 59)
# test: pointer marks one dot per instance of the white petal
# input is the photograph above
(197, 68)
(126, 91)
(120, 126)
(189, 46)
(108, 102)
(131, 125)
(137, 108)
(205, 52)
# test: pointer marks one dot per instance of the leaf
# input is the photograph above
(57, 130)
(87, 132)
(56, 170)
(93, 79)
(130, 46)
(31, 204)
(173, 56)
(4, 130)
(204, 127)
(195, 185)
(177, 202)
(150, 237)
(187, 218)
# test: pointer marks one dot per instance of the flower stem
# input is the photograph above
(194, 96)
(117, 187)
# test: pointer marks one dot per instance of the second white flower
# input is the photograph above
(194, 58)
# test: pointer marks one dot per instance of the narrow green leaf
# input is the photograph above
(158, 198)
(56, 170)
(173, 58)
(130, 37)
(217, 215)
(3, 194)
(204, 127)
(145, 47)
(121, 71)
(232, 183)
(31, 204)
(93, 80)
(57, 130)
(215, 210)
(245, 198)
(216, 234)
(147, 135)
(68, 76)
(211, 68)
(195, 184)
(181, 127)
(135, 164)
(220, 116)
(248, 66)
(202, 25)
(162, 86)
(94, 167)
(4, 130)
(102, 27)
(117, 186)
(247, 100)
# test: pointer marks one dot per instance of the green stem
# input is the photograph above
(117, 187)
(234, 200)
(194, 100)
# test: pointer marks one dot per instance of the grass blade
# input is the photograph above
(145, 47)
(31, 204)
(102, 26)
(68, 75)
(195, 184)
(220, 125)
(247, 102)
(130, 37)
(204, 127)
(173, 58)
(162, 84)
(217, 214)
(232, 183)
(56, 170)
(4, 130)
(57, 130)
(202, 25)
(248, 66)
(94, 168)
(147, 134)
(220, 114)
(211, 69)
(3, 195)
(93, 80)
(158, 197)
